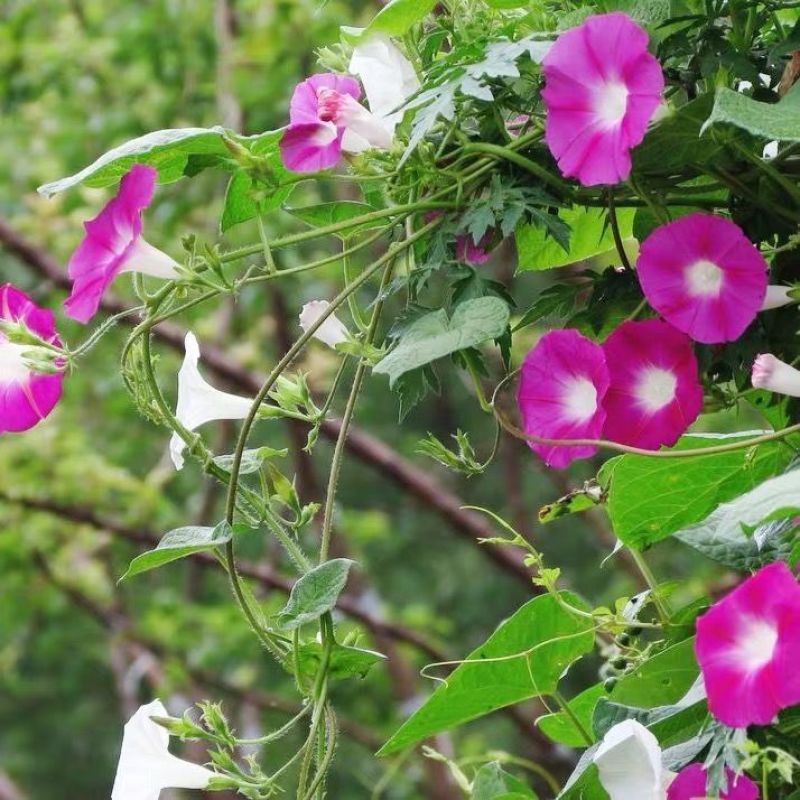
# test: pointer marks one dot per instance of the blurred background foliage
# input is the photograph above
(80, 495)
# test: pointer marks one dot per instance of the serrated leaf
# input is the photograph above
(166, 150)
(651, 498)
(779, 121)
(434, 336)
(492, 782)
(180, 543)
(524, 658)
(315, 593)
(591, 236)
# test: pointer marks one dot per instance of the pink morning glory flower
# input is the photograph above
(703, 275)
(748, 648)
(113, 244)
(774, 375)
(563, 381)
(325, 118)
(690, 784)
(27, 396)
(602, 88)
(471, 253)
(655, 393)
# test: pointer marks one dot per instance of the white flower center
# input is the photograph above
(13, 368)
(756, 643)
(704, 278)
(580, 399)
(656, 388)
(611, 102)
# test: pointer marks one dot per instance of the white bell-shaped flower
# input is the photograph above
(332, 332)
(199, 402)
(388, 78)
(145, 764)
(630, 765)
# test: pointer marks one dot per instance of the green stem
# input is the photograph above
(647, 574)
(573, 717)
(618, 243)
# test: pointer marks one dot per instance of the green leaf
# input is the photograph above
(591, 236)
(651, 498)
(180, 543)
(251, 459)
(675, 140)
(398, 16)
(315, 593)
(492, 782)
(433, 336)
(559, 726)
(331, 213)
(346, 662)
(661, 680)
(259, 190)
(768, 120)
(524, 658)
(727, 534)
(167, 151)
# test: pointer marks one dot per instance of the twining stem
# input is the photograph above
(338, 452)
(743, 444)
(573, 717)
(618, 243)
(655, 592)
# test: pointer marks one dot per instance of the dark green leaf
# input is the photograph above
(779, 121)
(398, 16)
(524, 658)
(434, 336)
(180, 543)
(346, 662)
(560, 727)
(315, 593)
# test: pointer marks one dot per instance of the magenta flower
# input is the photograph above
(563, 381)
(325, 118)
(469, 252)
(702, 274)
(113, 244)
(690, 784)
(26, 396)
(774, 375)
(748, 648)
(655, 393)
(602, 88)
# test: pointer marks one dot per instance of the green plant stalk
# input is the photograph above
(650, 579)
(573, 717)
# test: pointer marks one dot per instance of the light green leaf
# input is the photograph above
(246, 196)
(559, 726)
(168, 151)
(524, 658)
(398, 16)
(591, 236)
(492, 782)
(726, 534)
(433, 336)
(251, 459)
(651, 498)
(180, 543)
(332, 213)
(315, 593)
(345, 661)
(779, 121)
